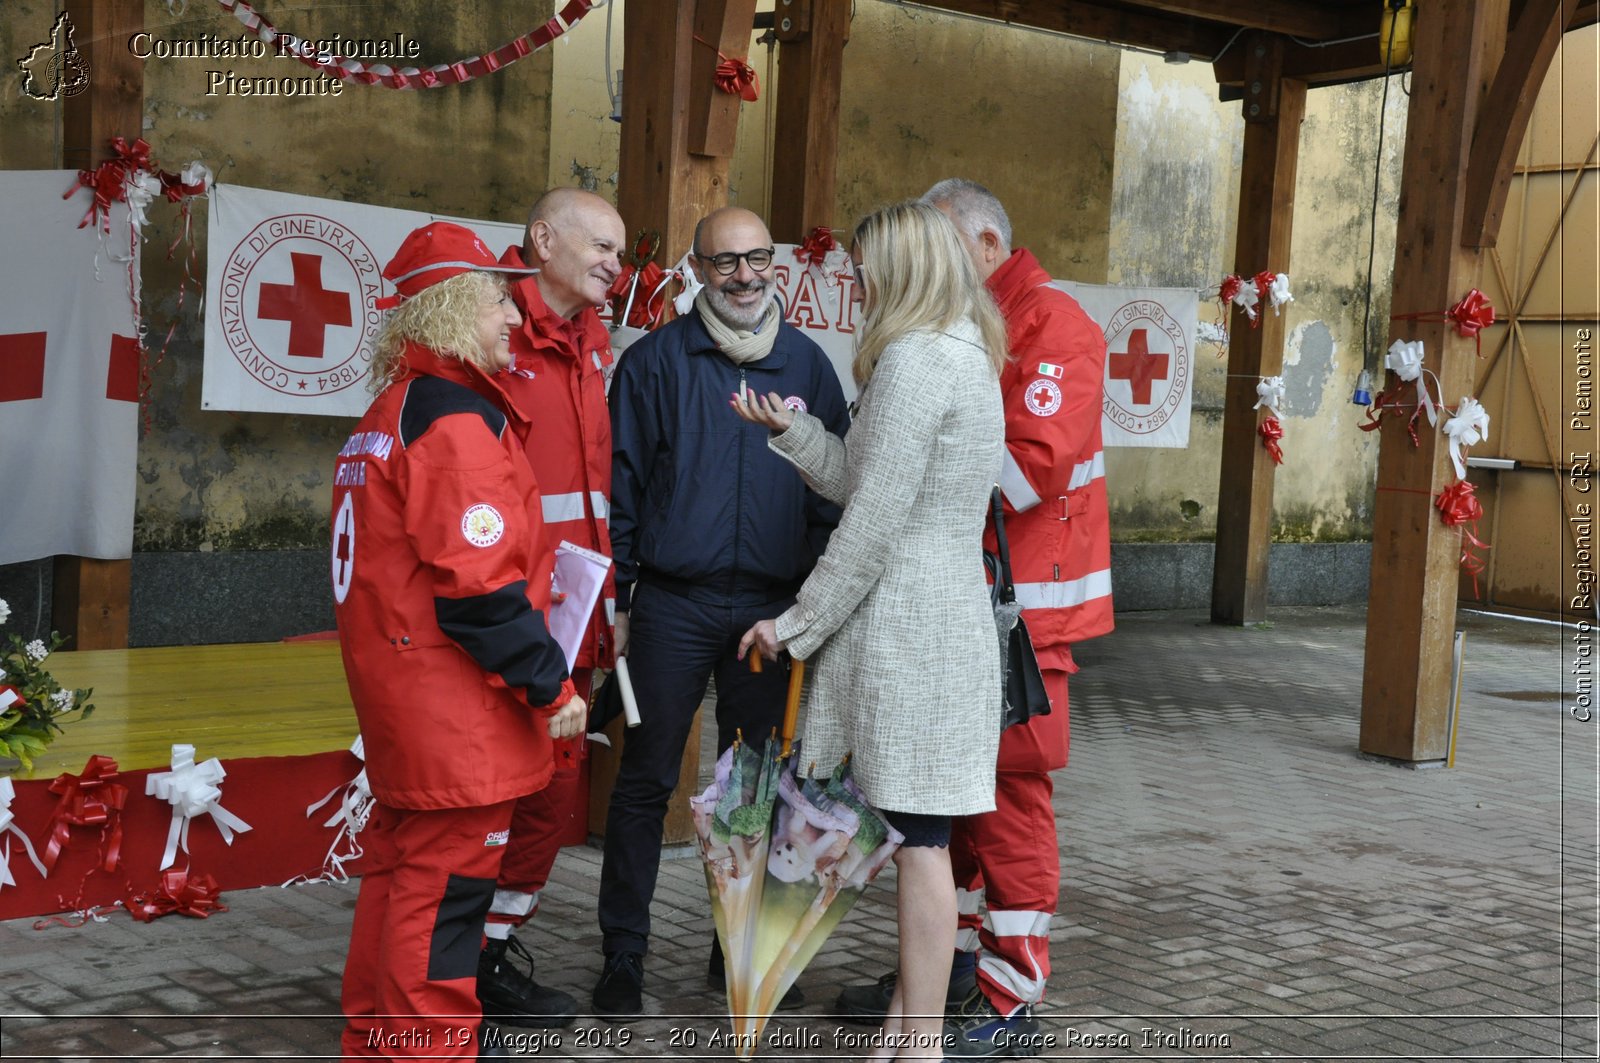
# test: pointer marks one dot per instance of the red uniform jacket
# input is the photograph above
(1053, 479)
(559, 381)
(441, 583)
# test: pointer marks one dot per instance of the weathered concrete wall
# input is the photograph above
(1031, 115)
(224, 481)
(1175, 212)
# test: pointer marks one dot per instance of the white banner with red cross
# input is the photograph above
(1150, 337)
(291, 287)
(69, 373)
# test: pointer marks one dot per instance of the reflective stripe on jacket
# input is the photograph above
(559, 381)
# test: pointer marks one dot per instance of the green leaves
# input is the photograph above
(30, 724)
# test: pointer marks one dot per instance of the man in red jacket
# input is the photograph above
(563, 359)
(441, 586)
(1058, 526)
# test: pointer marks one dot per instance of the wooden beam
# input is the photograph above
(660, 184)
(1295, 18)
(806, 141)
(90, 600)
(1331, 65)
(1411, 606)
(1120, 26)
(719, 26)
(1266, 213)
(1503, 120)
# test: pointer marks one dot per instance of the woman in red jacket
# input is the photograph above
(441, 585)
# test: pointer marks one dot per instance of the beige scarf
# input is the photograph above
(740, 346)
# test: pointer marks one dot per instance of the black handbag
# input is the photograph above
(1020, 679)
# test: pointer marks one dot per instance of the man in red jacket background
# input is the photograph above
(562, 360)
(1058, 524)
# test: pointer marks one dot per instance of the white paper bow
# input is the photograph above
(192, 790)
(1246, 298)
(142, 188)
(197, 173)
(1405, 359)
(691, 286)
(1269, 393)
(1469, 425)
(355, 808)
(1278, 293)
(8, 794)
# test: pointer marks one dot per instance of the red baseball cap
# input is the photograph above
(436, 252)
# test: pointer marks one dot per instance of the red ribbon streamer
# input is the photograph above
(196, 897)
(88, 800)
(1230, 287)
(109, 181)
(1459, 507)
(1470, 316)
(1385, 401)
(433, 77)
(644, 313)
(1270, 432)
(814, 250)
(734, 76)
(1263, 285)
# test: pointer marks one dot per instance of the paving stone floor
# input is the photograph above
(1238, 883)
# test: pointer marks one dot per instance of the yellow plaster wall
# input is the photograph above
(1174, 218)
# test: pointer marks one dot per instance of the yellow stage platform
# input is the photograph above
(265, 699)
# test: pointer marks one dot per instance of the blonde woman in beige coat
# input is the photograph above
(896, 616)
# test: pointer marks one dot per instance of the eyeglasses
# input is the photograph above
(861, 274)
(727, 263)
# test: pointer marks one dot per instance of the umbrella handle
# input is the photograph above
(791, 707)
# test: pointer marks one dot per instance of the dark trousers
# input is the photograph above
(674, 646)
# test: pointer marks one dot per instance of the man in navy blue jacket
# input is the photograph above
(711, 531)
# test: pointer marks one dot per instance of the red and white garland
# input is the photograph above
(410, 77)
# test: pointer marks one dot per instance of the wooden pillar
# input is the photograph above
(1415, 559)
(89, 603)
(1273, 108)
(662, 183)
(677, 139)
(811, 39)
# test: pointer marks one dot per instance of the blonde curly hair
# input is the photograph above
(443, 317)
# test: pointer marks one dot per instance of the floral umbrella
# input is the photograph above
(785, 859)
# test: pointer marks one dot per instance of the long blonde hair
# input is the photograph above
(443, 317)
(917, 276)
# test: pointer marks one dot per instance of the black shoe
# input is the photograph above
(981, 1032)
(512, 998)
(869, 1004)
(490, 1045)
(717, 979)
(617, 994)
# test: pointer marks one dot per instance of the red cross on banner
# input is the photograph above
(21, 366)
(1139, 367)
(122, 374)
(306, 305)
